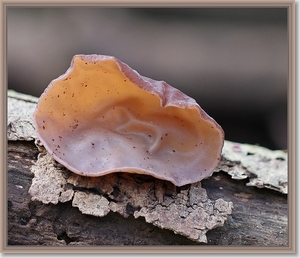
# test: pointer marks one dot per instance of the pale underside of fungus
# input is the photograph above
(101, 117)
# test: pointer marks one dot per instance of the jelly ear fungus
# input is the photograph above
(101, 117)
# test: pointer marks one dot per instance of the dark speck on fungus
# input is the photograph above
(145, 126)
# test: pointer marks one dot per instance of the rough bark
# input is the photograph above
(259, 215)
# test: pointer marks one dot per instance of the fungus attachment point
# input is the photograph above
(101, 117)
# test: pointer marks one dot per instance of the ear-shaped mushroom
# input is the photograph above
(101, 117)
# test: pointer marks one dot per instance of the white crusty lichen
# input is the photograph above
(49, 184)
(20, 109)
(187, 211)
(91, 204)
(264, 167)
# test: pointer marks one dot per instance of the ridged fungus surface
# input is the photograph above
(101, 117)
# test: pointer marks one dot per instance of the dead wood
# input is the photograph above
(258, 216)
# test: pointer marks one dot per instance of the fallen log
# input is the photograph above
(243, 203)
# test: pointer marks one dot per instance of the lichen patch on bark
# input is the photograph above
(185, 210)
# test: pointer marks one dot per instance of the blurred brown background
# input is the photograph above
(233, 61)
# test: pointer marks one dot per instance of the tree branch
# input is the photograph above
(49, 205)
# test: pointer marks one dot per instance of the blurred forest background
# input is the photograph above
(233, 61)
